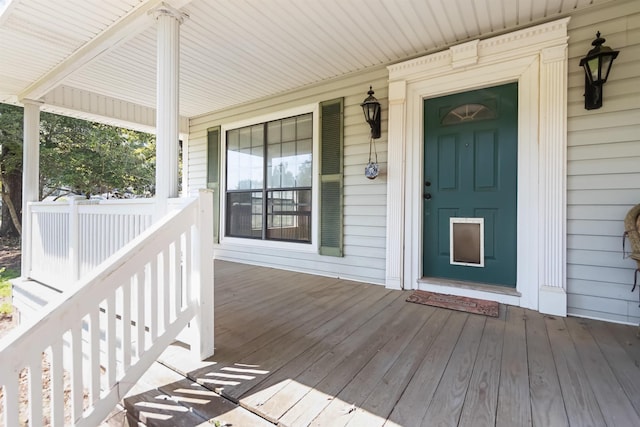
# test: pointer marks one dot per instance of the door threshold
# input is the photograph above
(472, 286)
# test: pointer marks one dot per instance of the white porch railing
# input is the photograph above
(114, 323)
(67, 240)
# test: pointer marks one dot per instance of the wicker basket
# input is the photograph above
(632, 232)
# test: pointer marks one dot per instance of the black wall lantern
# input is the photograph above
(371, 108)
(597, 65)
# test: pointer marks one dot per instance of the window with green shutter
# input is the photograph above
(213, 176)
(269, 180)
(331, 177)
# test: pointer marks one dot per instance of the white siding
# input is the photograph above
(603, 171)
(364, 199)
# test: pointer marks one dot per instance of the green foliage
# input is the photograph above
(86, 157)
(10, 168)
(10, 139)
(6, 308)
(5, 289)
(92, 158)
(5, 285)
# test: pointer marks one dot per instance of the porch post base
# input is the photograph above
(394, 283)
(553, 300)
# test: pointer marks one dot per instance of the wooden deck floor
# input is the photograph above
(302, 350)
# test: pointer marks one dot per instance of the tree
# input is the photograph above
(11, 124)
(82, 157)
(92, 158)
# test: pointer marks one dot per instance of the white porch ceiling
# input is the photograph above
(236, 51)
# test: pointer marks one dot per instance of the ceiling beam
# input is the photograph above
(124, 29)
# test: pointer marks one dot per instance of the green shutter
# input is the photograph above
(213, 177)
(331, 179)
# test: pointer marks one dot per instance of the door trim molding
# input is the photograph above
(536, 58)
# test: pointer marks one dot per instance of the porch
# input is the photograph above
(307, 350)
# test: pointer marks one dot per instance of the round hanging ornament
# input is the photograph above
(371, 170)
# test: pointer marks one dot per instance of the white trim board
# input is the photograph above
(536, 58)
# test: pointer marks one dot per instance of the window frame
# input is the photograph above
(314, 110)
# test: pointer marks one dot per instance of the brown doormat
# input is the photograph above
(470, 305)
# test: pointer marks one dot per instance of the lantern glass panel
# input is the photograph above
(607, 60)
(593, 69)
(370, 112)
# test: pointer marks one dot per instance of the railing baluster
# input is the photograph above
(126, 326)
(118, 238)
(131, 232)
(11, 403)
(93, 225)
(122, 219)
(153, 297)
(57, 384)
(97, 227)
(74, 239)
(116, 242)
(77, 389)
(35, 390)
(64, 263)
(108, 235)
(140, 312)
(94, 353)
(166, 284)
(111, 341)
(186, 268)
(91, 250)
(104, 235)
(175, 278)
(104, 231)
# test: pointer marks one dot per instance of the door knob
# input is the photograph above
(427, 196)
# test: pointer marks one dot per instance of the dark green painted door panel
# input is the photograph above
(470, 161)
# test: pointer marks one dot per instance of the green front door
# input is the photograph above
(470, 174)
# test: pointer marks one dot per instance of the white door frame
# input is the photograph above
(536, 58)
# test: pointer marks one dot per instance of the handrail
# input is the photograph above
(115, 322)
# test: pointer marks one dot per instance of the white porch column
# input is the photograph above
(167, 97)
(395, 186)
(552, 195)
(30, 175)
